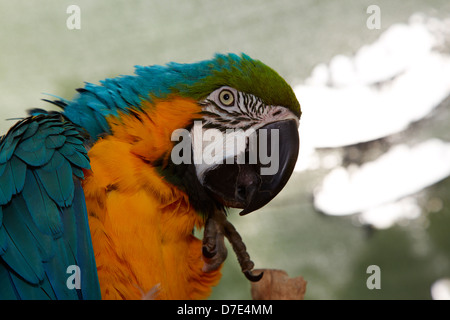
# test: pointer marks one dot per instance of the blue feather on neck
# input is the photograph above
(94, 102)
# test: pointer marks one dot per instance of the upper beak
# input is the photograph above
(250, 186)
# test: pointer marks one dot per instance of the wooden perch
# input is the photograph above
(276, 285)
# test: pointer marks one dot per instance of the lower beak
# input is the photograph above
(250, 186)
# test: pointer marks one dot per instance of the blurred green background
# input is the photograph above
(39, 54)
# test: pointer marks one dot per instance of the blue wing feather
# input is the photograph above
(53, 173)
(24, 254)
(31, 129)
(18, 170)
(55, 141)
(43, 217)
(43, 210)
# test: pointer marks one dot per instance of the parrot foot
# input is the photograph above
(217, 227)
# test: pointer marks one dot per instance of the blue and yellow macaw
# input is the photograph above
(95, 202)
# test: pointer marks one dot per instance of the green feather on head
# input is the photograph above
(246, 75)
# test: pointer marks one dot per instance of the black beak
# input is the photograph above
(253, 184)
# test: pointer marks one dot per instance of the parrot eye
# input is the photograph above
(226, 97)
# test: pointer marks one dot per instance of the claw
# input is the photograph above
(214, 250)
(208, 254)
(252, 277)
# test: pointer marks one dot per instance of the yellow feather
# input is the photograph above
(141, 226)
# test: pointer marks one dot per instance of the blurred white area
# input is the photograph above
(440, 290)
(387, 85)
(359, 112)
(386, 215)
(384, 87)
(398, 173)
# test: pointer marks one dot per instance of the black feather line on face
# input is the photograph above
(242, 106)
(209, 114)
(215, 125)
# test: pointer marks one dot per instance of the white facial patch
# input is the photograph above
(212, 147)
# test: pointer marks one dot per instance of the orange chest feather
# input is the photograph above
(141, 226)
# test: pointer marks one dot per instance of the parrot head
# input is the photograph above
(245, 146)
